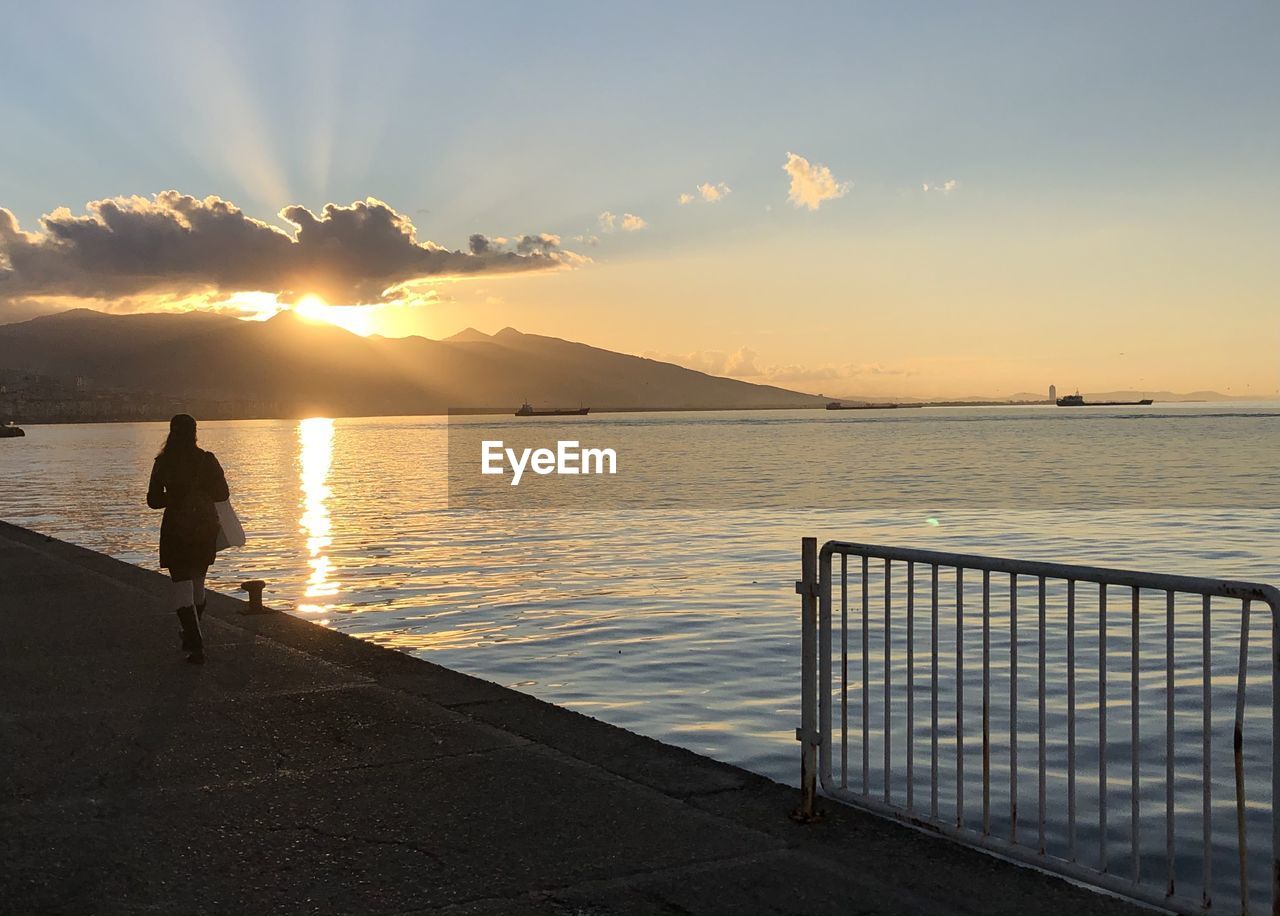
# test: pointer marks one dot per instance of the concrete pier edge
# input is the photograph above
(304, 770)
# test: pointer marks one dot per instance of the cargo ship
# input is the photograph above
(837, 405)
(1077, 400)
(528, 410)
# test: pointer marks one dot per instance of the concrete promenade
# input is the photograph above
(303, 771)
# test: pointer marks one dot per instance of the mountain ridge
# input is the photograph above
(290, 366)
(302, 367)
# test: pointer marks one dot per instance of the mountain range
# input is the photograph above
(287, 366)
(302, 368)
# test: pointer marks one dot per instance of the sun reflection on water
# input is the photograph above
(315, 439)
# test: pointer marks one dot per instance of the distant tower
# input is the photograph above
(1053, 392)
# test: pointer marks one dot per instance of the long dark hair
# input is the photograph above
(182, 437)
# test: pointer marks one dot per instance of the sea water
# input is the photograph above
(663, 602)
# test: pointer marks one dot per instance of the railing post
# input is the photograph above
(807, 734)
(824, 671)
(1273, 602)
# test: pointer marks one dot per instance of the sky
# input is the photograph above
(933, 200)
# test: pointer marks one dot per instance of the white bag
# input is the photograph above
(230, 531)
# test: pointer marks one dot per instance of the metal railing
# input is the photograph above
(1158, 717)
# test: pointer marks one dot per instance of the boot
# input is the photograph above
(183, 634)
(192, 640)
(187, 644)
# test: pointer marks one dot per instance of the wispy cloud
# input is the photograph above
(812, 184)
(709, 193)
(745, 363)
(173, 244)
(945, 188)
(627, 222)
(741, 362)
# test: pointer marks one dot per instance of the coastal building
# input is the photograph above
(1053, 392)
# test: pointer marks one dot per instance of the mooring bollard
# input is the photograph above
(254, 587)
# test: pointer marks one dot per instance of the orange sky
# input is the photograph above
(985, 311)
(889, 201)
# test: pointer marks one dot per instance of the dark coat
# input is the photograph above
(171, 477)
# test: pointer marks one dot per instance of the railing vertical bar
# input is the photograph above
(844, 670)
(1013, 707)
(1071, 719)
(825, 665)
(1169, 632)
(1102, 727)
(866, 675)
(1237, 747)
(986, 702)
(807, 733)
(960, 696)
(911, 683)
(1207, 810)
(888, 661)
(1042, 781)
(1134, 774)
(933, 711)
(1274, 606)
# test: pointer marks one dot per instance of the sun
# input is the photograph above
(358, 319)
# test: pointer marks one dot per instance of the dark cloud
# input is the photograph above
(173, 242)
(535, 245)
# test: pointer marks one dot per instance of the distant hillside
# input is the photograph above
(1135, 395)
(301, 368)
(1167, 397)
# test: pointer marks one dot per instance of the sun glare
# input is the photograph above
(358, 319)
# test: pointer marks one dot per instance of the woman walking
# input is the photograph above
(186, 481)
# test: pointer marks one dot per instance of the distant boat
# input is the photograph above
(1077, 400)
(836, 405)
(11, 431)
(527, 410)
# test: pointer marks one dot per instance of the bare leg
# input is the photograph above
(183, 593)
(197, 592)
